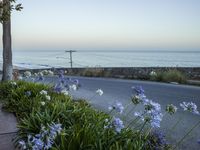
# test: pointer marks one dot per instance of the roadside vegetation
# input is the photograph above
(49, 118)
(95, 72)
(168, 76)
(172, 75)
(61, 123)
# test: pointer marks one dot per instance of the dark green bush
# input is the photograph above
(83, 126)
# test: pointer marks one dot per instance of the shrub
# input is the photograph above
(174, 76)
(22, 96)
(169, 76)
(93, 72)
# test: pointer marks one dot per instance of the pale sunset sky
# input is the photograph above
(106, 25)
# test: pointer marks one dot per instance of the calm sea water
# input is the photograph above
(42, 59)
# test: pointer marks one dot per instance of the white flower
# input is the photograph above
(50, 73)
(40, 74)
(48, 97)
(27, 73)
(99, 91)
(106, 120)
(35, 74)
(42, 103)
(45, 72)
(13, 83)
(65, 92)
(20, 78)
(153, 73)
(137, 114)
(22, 144)
(110, 108)
(43, 92)
(73, 87)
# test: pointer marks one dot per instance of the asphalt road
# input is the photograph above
(163, 93)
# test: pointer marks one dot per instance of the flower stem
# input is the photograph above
(181, 140)
(148, 132)
(142, 126)
(175, 125)
(130, 111)
(136, 119)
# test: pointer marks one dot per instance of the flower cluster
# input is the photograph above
(39, 76)
(73, 87)
(152, 114)
(99, 92)
(48, 72)
(44, 72)
(138, 90)
(13, 83)
(42, 103)
(65, 92)
(19, 77)
(118, 107)
(43, 140)
(43, 92)
(27, 74)
(190, 106)
(152, 111)
(139, 96)
(65, 84)
(159, 138)
(153, 73)
(115, 123)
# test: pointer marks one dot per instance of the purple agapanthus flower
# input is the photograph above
(43, 140)
(76, 81)
(55, 129)
(40, 78)
(118, 124)
(152, 114)
(38, 144)
(190, 106)
(58, 88)
(155, 121)
(118, 107)
(138, 90)
(160, 137)
(61, 74)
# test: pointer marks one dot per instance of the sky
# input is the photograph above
(106, 25)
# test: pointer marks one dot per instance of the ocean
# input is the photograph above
(45, 59)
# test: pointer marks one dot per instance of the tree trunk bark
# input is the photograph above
(7, 50)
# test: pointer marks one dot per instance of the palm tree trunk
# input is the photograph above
(7, 49)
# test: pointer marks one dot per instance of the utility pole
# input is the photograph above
(70, 54)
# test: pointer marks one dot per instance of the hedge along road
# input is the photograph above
(163, 93)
